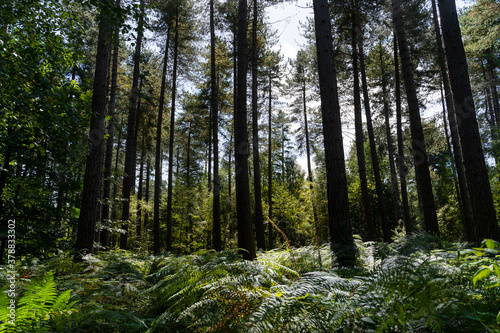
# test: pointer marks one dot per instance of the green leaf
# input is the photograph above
(498, 317)
(494, 268)
(481, 274)
(368, 320)
(490, 244)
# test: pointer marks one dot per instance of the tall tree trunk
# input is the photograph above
(171, 137)
(476, 173)
(493, 87)
(188, 184)
(138, 227)
(342, 242)
(386, 230)
(158, 151)
(259, 219)
(390, 148)
(360, 141)
(422, 173)
(455, 139)
(270, 240)
(115, 185)
(130, 146)
(401, 154)
(214, 105)
(108, 160)
(308, 157)
(92, 178)
(245, 232)
(146, 197)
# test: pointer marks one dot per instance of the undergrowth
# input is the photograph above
(416, 284)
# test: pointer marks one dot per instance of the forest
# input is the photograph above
(166, 167)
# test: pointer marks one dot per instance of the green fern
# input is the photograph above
(39, 309)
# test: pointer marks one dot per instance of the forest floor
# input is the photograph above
(416, 284)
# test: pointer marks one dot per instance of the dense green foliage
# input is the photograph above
(418, 283)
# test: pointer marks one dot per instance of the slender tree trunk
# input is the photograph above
(146, 197)
(130, 146)
(390, 148)
(360, 141)
(259, 219)
(476, 173)
(188, 184)
(270, 239)
(171, 137)
(401, 154)
(386, 230)
(455, 139)
(209, 155)
(93, 174)
(108, 160)
(342, 242)
(423, 177)
(115, 186)
(138, 227)
(157, 194)
(308, 157)
(214, 106)
(493, 87)
(245, 232)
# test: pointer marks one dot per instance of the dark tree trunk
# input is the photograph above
(146, 197)
(245, 232)
(138, 227)
(171, 138)
(390, 148)
(455, 139)
(108, 160)
(270, 167)
(259, 219)
(493, 87)
(422, 173)
(386, 230)
(360, 141)
(93, 174)
(342, 242)
(131, 144)
(401, 154)
(308, 157)
(216, 234)
(158, 151)
(476, 173)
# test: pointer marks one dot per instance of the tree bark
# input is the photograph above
(360, 141)
(216, 234)
(401, 155)
(342, 242)
(422, 173)
(463, 192)
(476, 173)
(259, 219)
(131, 143)
(158, 151)
(270, 236)
(138, 226)
(108, 160)
(92, 179)
(171, 137)
(390, 148)
(245, 232)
